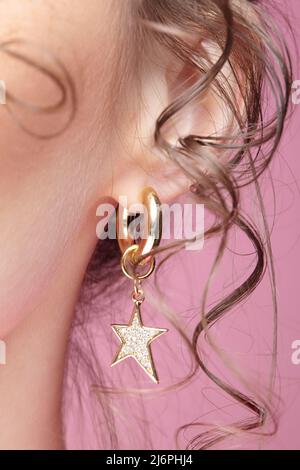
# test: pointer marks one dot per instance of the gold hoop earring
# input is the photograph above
(136, 338)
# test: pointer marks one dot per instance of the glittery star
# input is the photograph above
(135, 342)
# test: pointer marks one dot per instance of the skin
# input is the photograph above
(50, 189)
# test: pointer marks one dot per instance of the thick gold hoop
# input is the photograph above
(153, 230)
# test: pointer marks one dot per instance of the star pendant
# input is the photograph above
(135, 341)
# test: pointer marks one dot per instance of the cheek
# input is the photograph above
(38, 222)
(47, 188)
(46, 191)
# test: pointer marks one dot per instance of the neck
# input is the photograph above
(31, 383)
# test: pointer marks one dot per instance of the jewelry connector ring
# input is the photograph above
(131, 272)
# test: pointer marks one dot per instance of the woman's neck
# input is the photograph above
(31, 382)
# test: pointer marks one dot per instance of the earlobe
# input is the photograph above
(144, 163)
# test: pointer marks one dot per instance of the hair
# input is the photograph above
(246, 40)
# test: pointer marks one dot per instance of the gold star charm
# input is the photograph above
(135, 342)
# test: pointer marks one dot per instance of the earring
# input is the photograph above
(136, 338)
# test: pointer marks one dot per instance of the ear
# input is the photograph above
(164, 80)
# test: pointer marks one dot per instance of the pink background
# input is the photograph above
(245, 333)
(286, 247)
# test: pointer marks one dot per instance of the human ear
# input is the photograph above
(174, 104)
